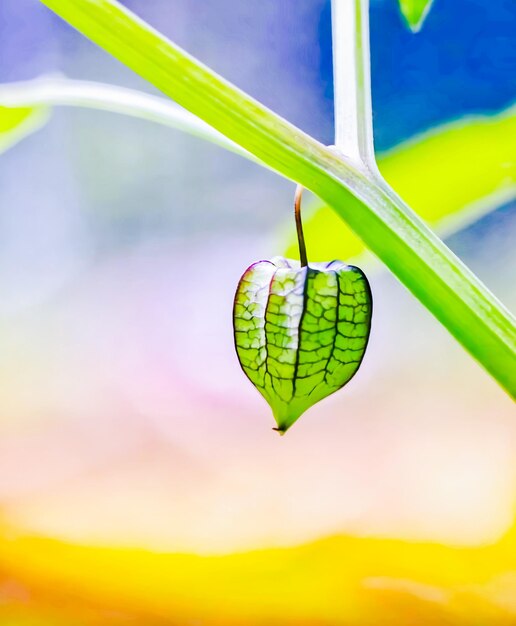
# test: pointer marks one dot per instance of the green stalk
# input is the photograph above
(57, 91)
(352, 82)
(385, 223)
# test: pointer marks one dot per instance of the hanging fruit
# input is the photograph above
(300, 330)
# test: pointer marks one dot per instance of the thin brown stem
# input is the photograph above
(299, 226)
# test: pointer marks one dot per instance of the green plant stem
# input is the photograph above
(57, 91)
(352, 82)
(388, 227)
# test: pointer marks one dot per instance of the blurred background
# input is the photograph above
(140, 480)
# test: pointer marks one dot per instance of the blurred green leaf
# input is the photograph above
(415, 12)
(451, 176)
(17, 123)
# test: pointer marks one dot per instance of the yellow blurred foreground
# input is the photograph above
(335, 581)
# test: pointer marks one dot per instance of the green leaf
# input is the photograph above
(442, 174)
(415, 12)
(372, 209)
(18, 123)
(300, 333)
